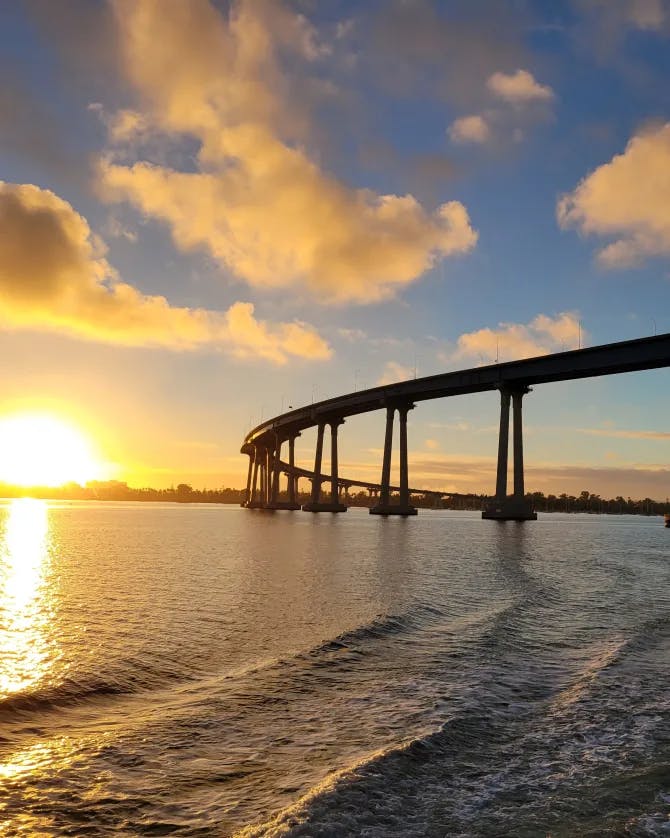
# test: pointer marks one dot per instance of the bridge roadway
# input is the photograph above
(513, 379)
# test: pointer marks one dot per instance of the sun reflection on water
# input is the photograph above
(25, 600)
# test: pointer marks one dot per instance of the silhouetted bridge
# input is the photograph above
(513, 380)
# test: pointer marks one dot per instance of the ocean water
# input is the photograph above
(212, 671)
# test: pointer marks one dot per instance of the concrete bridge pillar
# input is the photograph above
(404, 471)
(334, 465)
(315, 504)
(318, 456)
(515, 508)
(276, 459)
(247, 492)
(384, 507)
(503, 446)
(292, 477)
(519, 492)
(386, 465)
(252, 479)
(262, 458)
(267, 474)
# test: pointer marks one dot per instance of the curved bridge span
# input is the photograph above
(263, 444)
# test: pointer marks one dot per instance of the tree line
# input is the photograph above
(116, 490)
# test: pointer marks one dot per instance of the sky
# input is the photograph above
(212, 211)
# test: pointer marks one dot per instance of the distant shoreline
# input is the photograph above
(184, 493)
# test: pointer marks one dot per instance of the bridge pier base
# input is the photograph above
(394, 509)
(282, 504)
(324, 507)
(516, 507)
(508, 510)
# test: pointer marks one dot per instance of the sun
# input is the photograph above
(39, 449)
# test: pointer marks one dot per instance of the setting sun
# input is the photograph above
(43, 450)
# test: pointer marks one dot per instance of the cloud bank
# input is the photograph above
(257, 201)
(54, 276)
(628, 199)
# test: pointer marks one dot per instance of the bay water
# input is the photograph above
(203, 670)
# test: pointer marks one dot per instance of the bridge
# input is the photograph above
(263, 444)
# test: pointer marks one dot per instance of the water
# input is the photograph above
(211, 671)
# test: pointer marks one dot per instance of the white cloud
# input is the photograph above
(54, 276)
(470, 129)
(627, 198)
(519, 88)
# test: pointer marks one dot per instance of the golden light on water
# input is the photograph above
(25, 653)
(42, 450)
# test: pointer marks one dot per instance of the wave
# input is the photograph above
(337, 800)
(123, 679)
(131, 677)
(383, 625)
(495, 761)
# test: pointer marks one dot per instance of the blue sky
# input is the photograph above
(390, 185)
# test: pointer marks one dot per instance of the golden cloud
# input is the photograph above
(470, 129)
(519, 88)
(511, 341)
(393, 373)
(54, 276)
(627, 198)
(258, 201)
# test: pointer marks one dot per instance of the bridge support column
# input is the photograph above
(274, 476)
(247, 491)
(503, 446)
(291, 476)
(384, 507)
(268, 477)
(292, 479)
(261, 492)
(315, 504)
(515, 508)
(252, 479)
(258, 491)
(519, 493)
(404, 470)
(275, 459)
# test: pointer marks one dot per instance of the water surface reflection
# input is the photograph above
(25, 598)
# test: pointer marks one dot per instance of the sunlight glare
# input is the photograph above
(42, 450)
(25, 655)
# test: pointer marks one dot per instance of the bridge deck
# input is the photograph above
(608, 359)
